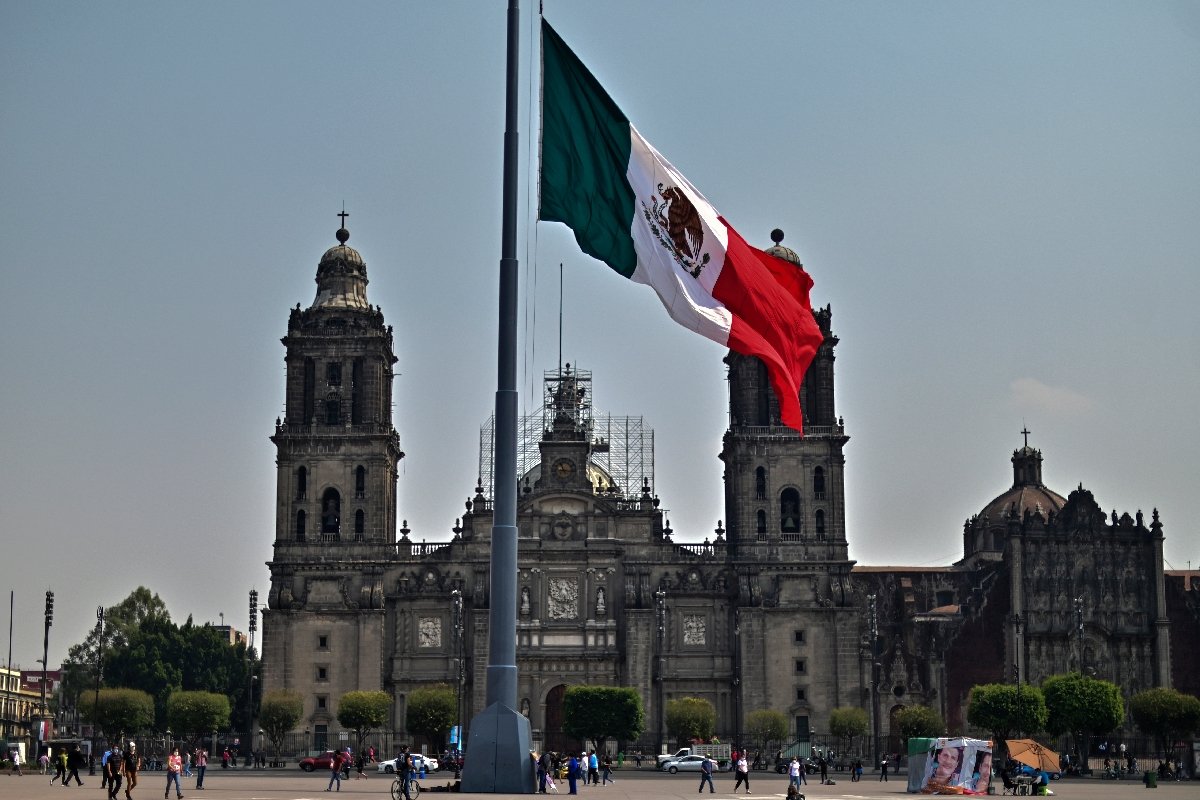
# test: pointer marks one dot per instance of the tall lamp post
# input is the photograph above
(1017, 622)
(456, 609)
(99, 671)
(660, 611)
(253, 627)
(873, 632)
(737, 680)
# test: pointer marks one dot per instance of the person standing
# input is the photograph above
(544, 767)
(113, 771)
(823, 763)
(795, 776)
(593, 773)
(174, 770)
(573, 774)
(201, 765)
(883, 768)
(743, 773)
(187, 764)
(131, 765)
(706, 771)
(16, 763)
(44, 763)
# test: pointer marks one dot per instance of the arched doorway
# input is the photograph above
(553, 737)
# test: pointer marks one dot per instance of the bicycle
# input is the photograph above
(414, 789)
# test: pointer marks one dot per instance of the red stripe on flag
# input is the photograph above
(772, 318)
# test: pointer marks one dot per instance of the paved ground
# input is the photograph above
(630, 785)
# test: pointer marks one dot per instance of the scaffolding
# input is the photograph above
(622, 447)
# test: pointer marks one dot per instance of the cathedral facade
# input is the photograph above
(767, 613)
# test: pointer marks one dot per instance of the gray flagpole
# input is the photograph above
(498, 747)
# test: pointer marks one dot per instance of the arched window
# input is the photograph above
(301, 483)
(760, 484)
(820, 524)
(819, 483)
(331, 511)
(762, 521)
(300, 520)
(360, 523)
(789, 511)
(360, 482)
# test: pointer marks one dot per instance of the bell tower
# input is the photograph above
(781, 487)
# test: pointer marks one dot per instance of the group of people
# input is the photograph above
(594, 768)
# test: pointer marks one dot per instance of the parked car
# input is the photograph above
(323, 761)
(431, 764)
(684, 764)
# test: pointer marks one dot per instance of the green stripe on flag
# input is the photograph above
(585, 155)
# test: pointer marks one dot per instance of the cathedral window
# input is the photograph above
(801, 666)
(801, 695)
(763, 387)
(356, 392)
(360, 523)
(333, 373)
(300, 520)
(310, 390)
(301, 483)
(819, 483)
(323, 642)
(820, 524)
(331, 512)
(945, 598)
(798, 636)
(789, 511)
(762, 521)
(360, 482)
(322, 702)
(760, 484)
(333, 411)
(322, 674)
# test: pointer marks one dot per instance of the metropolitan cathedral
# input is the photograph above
(767, 612)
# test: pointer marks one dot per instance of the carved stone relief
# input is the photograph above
(429, 633)
(563, 598)
(694, 630)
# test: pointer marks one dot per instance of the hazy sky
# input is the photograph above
(1001, 201)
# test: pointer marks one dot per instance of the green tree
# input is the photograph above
(995, 707)
(1166, 714)
(847, 722)
(918, 721)
(363, 712)
(766, 727)
(691, 718)
(1082, 705)
(197, 713)
(118, 712)
(603, 712)
(432, 711)
(280, 711)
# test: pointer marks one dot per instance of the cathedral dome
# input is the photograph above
(779, 251)
(1027, 493)
(341, 277)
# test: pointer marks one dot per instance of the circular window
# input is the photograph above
(898, 691)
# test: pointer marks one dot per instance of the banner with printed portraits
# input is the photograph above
(958, 766)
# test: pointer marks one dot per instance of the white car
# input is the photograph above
(431, 764)
(684, 764)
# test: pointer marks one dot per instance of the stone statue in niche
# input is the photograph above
(600, 602)
(525, 601)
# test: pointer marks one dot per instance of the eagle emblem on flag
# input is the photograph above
(676, 224)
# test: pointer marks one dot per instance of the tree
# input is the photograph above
(1082, 705)
(603, 712)
(118, 712)
(918, 721)
(1166, 714)
(691, 718)
(278, 715)
(848, 722)
(766, 727)
(197, 713)
(994, 707)
(363, 712)
(432, 711)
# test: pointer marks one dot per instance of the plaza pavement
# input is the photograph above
(292, 784)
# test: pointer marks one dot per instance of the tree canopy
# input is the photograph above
(847, 722)
(1080, 704)
(691, 718)
(603, 712)
(197, 712)
(1003, 709)
(280, 711)
(432, 711)
(1166, 714)
(918, 721)
(118, 712)
(766, 726)
(363, 712)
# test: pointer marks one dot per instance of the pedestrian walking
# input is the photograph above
(131, 765)
(74, 762)
(174, 770)
(43, 763)
(60, 767)
(742, 773)
(706, 771)
(606, 771)
(113, 771)
(15, 755)
(360, 763)
(201, 765)
(335, 770)
(795, 773)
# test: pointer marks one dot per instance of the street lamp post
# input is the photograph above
(660, 606)
(1017, 622)
(737, 680)
(1079, 631)
(253, 627)
(99, 671)
(456, 605)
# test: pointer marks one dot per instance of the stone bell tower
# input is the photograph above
(335, 514)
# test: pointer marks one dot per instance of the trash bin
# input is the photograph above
(1150, 778)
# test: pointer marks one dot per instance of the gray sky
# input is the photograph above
(1001, 201)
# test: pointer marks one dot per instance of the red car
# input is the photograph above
(323, 761)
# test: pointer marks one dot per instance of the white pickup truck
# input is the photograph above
(719, 753)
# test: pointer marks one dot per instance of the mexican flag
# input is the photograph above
(630, 208)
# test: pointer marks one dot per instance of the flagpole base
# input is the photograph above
(497, 755)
